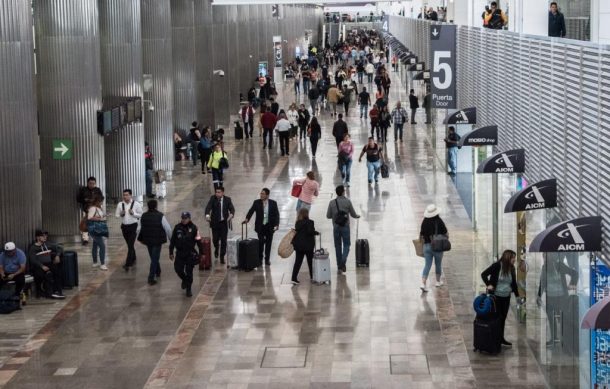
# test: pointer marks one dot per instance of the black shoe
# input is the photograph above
(506, 342)
(188, 292)
(183, 286)
(126, 268)
(267, 263)
(222, 260)
(151, 282)
(85, 242)
(215, 254)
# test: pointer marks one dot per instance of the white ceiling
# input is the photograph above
(319, 2)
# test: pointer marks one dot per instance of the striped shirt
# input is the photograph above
(398, 114)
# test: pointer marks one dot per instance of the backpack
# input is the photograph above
(496, 22)
(9, 302)
(341, 218)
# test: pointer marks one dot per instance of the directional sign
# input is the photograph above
(62, 149)
(442, 52)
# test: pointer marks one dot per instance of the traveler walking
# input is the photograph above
(275, 107)
(413, 104)
(304, 244)
(384, 123)
(315, 133)
(12, 267)
(339, 211)
(451, 141)
(399, 117)
(293, 118)
(247, 116)
(130, 212)
(84, 198)
(374, 157)
(184, 239)
(283, 129)
(266, 223)
(194, 135)
(364, 99)
(303, 121)
(217, 167)
(374, 115)
(154, 232)
(205, 148)
(98, 230)
(557, 24)
(346, 151)
(148, 164)
(218, 212)
(370, 71)
(313, 95)
(297, 83)
(334, 95)
(348, 92)
(339, 130)
(306, 75)
(268, 121)
(501, 280)
(431, 225)
(309, 189)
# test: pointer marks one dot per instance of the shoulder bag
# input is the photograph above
(439, 242)
(286, 248)
(297, 188)
(97, 227)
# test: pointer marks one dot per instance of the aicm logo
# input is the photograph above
(535, 194)
(505, 163)
(461, 118)
(571, 231)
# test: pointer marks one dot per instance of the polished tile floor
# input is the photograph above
(370, 328)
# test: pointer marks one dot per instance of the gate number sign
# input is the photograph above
(442, 52)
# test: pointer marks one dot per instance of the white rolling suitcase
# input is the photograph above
(232, 251)
(321, 265)
(161, 190)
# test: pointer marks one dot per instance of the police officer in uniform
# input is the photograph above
(184, 239)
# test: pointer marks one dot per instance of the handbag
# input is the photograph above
(82, 226)
(285, 249)
(97, 227)
(419, 247)
(296, 189)
(224, 162)
(439, 242)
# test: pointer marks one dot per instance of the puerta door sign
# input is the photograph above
(511, 161)
(540, 195)
(576, 235)
(443, 70)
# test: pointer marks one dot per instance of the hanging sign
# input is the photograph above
(484, 136)
(540, 195)
(511, 161)
(576, 235)
(464, 116)
(277, 51)
(442, 53)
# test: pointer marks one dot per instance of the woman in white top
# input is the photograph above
(283, 128)
(96, 214)
(293, 118)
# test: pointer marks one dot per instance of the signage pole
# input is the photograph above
(494, 213)
(475, 163)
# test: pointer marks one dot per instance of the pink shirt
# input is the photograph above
(309, 191)
(347, 148)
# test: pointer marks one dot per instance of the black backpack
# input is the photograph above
(341, 218)
(9, 302)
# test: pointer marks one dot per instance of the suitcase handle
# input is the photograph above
(242, 231)
(357, 227)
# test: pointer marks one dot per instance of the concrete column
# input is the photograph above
(157, 61)
(121, 53)
(69, 95)
(19, 169)
(600, 28)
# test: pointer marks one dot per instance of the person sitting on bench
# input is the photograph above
(12, 267)
(45, 265)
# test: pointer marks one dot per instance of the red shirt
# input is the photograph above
(268, 120)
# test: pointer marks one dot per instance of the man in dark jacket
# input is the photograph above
(184, 239)
(275, 107)
(339, 129)
(413, 104)
(84, 197)
(45, 265)
(219, 213)
(313, 95)
(148, 164)
(154, 232)
(266, 223)
(557, 24)
(303, 121)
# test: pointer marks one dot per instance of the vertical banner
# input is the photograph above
(600, 339)
(442, 53)
(385, 23)
(277, 51)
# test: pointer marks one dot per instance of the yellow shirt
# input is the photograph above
(214, 161)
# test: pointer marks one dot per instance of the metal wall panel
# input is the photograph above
(183, 53)
(121, 55)
(221, 60)
(157, 61)
(203, 65)
(69, 94)
(19, 170)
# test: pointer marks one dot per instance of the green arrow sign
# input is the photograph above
(62, 149)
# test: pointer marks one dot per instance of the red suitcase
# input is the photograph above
(205, 259)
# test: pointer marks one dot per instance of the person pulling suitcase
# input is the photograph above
(339, 211)
(266, 223)
(184, 239)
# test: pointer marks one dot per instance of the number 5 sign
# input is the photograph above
(442, 74)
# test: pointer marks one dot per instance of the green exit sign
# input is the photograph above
(62, 149)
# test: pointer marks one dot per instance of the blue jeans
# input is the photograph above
(305, 86)
(297, 87)
(373, 170)
(360, 77)
(430, 255)
(452, 158)
(149, 182)
(302, 204)
(98, 245)
(155, 255)
(342, 243)
(398, 131)
(364, 110)
(346, 168)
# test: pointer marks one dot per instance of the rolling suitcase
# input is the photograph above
(321, 265)
(205, 259)
(487, 334)
(70, 269)
(239, 131)
(161, 190)
(362, 249)
(232, 248)
(247, 252)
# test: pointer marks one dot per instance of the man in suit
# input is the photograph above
(219, 213)
(266, 223)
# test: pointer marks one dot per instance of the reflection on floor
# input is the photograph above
(370, 328)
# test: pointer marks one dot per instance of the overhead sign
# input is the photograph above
(385, 23)
(62, 149)
(484, 136)
(511, 161)
(442, 52)
(464, 116)
(277, 51)
(576, 235)
(540, 195)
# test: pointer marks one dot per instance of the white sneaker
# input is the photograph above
(104, 267)
(439, 284)
(96, 265)
(423, 288)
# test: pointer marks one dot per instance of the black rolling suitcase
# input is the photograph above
(239, 131)
(247, 252)
(70, 269)
(487, 336)
(362, 249)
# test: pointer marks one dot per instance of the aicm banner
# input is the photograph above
(442, 73)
